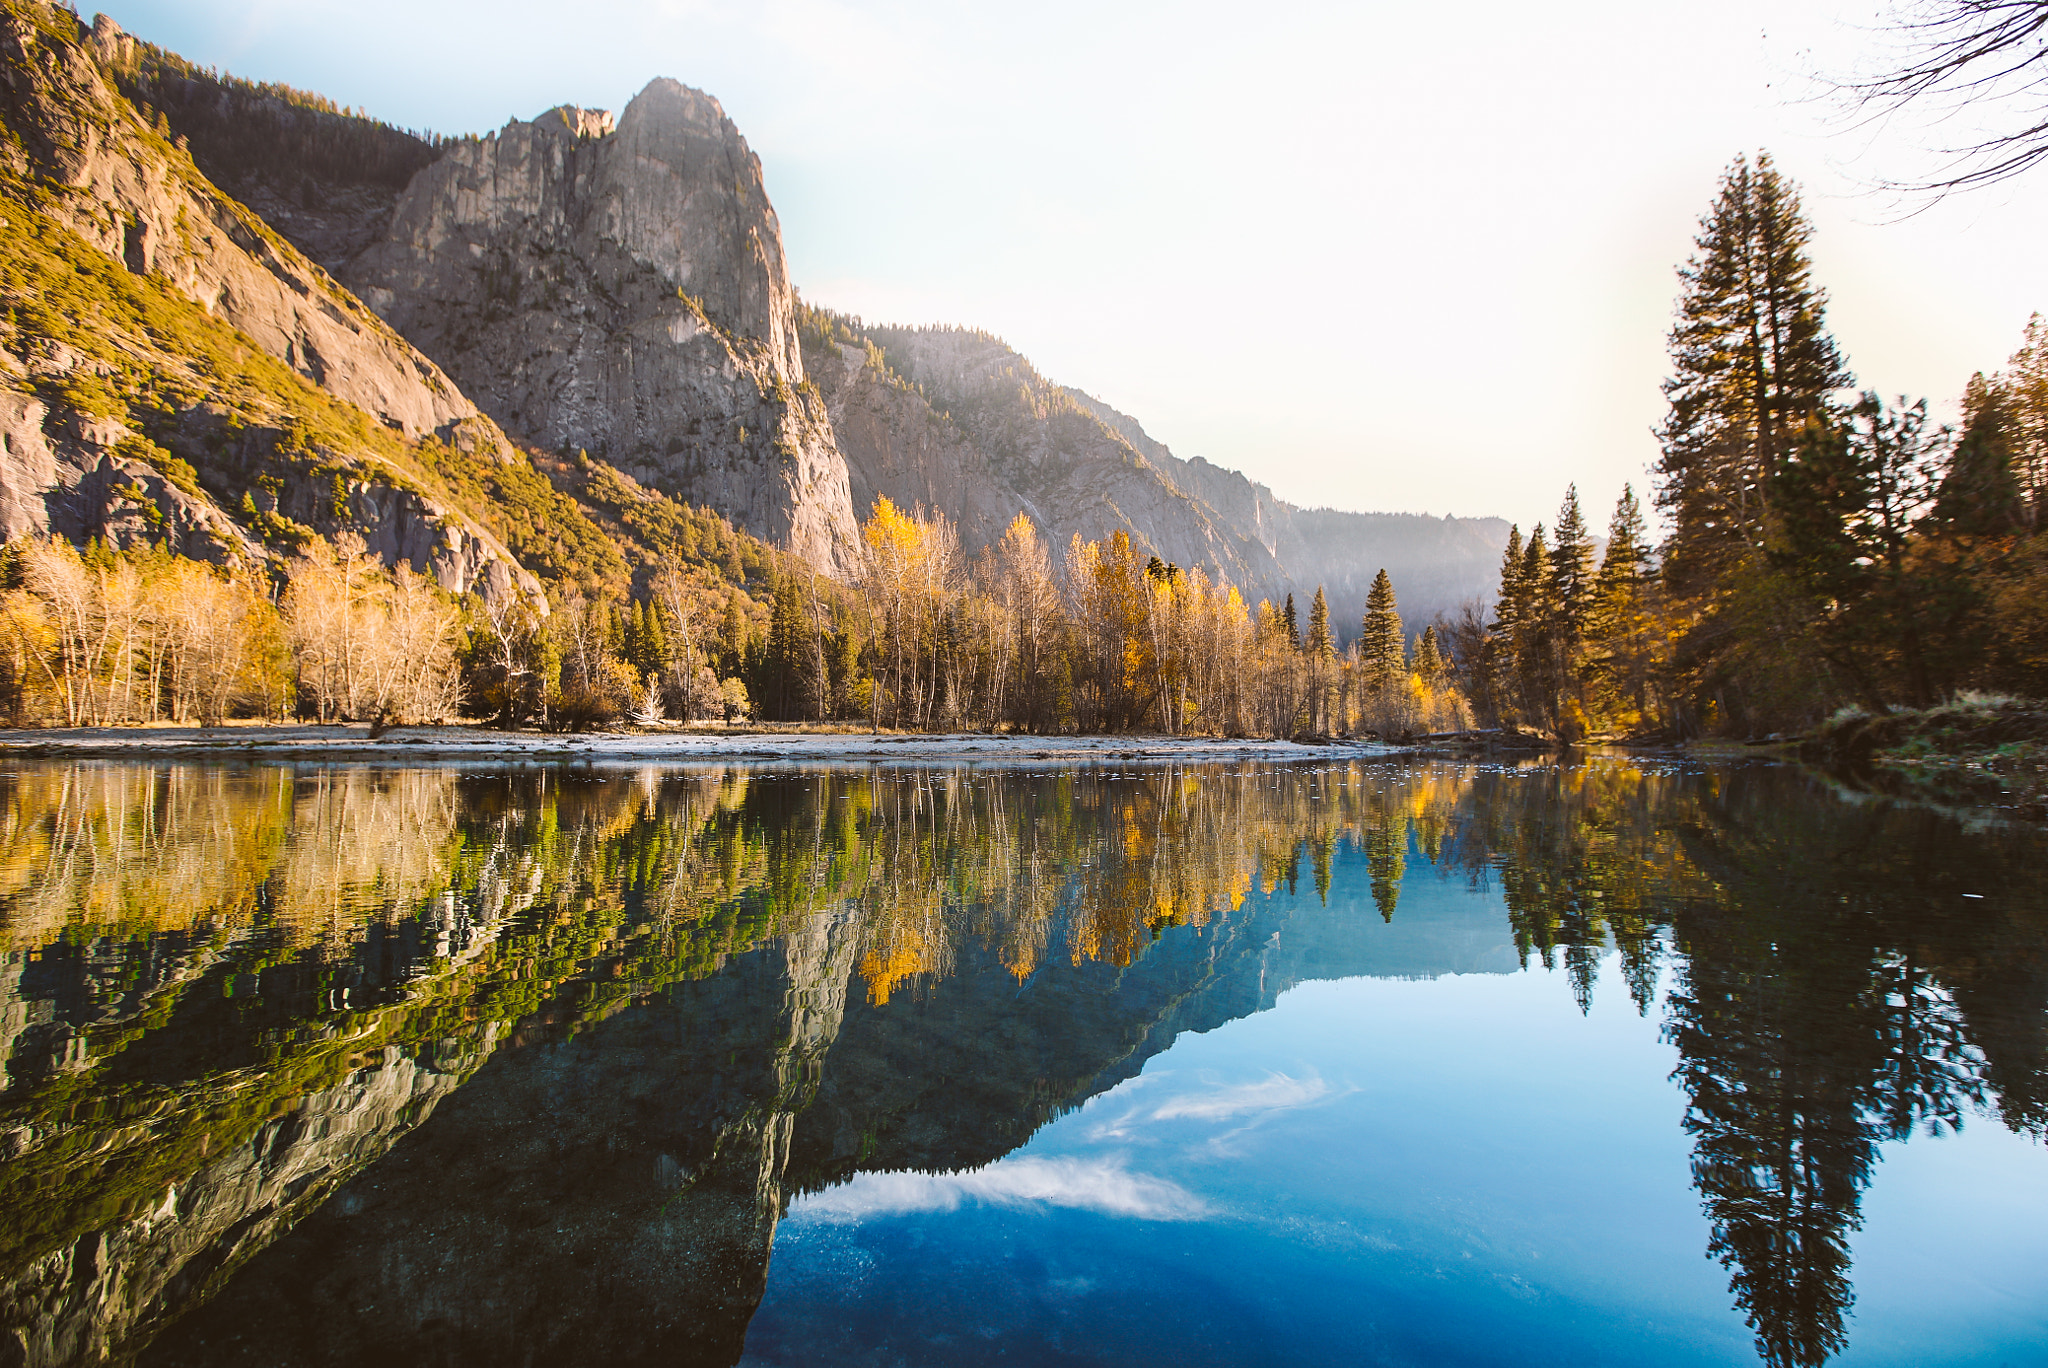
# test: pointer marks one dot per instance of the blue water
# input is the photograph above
(1458, 1170)
(1603, 1063)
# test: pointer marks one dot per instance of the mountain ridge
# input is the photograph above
(574, 303)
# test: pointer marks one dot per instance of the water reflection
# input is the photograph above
(313, 1066)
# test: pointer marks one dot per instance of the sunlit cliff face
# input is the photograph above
(227, 992)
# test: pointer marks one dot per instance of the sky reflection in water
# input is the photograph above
(1200, 1065)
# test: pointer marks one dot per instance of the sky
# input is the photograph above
(1377, 256)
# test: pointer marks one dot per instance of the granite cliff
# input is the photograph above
(621, 290)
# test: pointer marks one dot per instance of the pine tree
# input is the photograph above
(1497, 670)
(784, 665)
(2025, 386)
(1320, 645)
(1850, 496)
(1568, 588)
(1381, 644)
(1618, 628)
(1532, 592)
(630, 621)
(1980, 494)
(653, 641)
(1429, 658)
(1752, 360)
(733, 638)
(1571, 567)
(1287, 619)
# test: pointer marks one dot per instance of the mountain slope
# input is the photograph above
(611, 294)
(956, 420)
(175, 371)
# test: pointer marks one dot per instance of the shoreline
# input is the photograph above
(415, 745)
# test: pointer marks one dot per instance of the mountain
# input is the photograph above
(562, 354)
(174, 370)
(955, 419)
(621, 289)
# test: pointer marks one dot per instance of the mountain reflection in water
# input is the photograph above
(322, 1066)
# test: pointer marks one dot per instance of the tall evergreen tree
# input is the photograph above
(1751, 361)
(1497, 670)
(787, 660)
(1980, 493)
(654, 654)
(2025, 386)
(1568, 592)
(1320, 643)
(1292, 624)
(1429, 657)
(1320, 646)
(1851, 494)
(1571, 567)
(1532, 589)
(1382, 644)
(1620, 632)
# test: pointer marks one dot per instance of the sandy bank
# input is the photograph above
(417, 745)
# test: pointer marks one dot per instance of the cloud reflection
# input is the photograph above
(1275, 1091)
(1100, 1185)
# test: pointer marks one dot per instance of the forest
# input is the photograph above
(1822, 548)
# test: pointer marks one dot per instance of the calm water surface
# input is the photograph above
(1608, 1063)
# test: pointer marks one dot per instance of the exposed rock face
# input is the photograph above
(137, 197)
(623, 291)
(144, 203)
(610, 1197)
(79, 1303)
(988, 438)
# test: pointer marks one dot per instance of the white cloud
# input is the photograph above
(1101, 1185)
(1274, 1092)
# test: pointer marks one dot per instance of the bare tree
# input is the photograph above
(1988, 58)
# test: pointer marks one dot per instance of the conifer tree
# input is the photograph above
(785, 662)
(1381, 644)
(1571, 568)
(1980, 493)
(1532, 592)
(1320, 644)
(1429, 658)
(1618, 629)
(1751, 360)
(1320, 647)
(1850, 495)
(1497, 670)
(653, 640)
(1568, 586)
(1288, 620)
(2026, 400)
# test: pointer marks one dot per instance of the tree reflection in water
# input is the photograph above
(228, 992)
(1834, 988)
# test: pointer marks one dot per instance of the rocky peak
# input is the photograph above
(684, 193)
(623, 291)
(577, 123)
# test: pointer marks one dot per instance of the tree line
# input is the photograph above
(921, 637)
(1824, 547)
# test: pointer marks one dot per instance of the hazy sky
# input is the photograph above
(1379, 256)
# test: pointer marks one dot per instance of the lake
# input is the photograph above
(1631, 1062)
